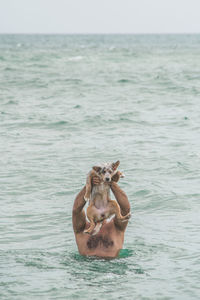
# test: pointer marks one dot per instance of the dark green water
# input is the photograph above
(67, 102)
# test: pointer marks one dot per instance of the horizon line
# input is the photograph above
(98, 33)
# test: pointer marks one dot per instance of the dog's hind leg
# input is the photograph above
(91, 228)
(97, 228)
(115, 209)
(90, 216)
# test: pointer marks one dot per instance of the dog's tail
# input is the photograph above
(97, 228)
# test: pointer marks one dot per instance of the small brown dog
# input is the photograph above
(101, 207)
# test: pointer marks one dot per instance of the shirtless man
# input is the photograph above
(108, 242)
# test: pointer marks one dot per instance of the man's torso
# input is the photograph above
(107, 243)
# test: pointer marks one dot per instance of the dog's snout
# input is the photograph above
(107, 179)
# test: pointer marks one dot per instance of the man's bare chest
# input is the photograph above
(100, 241)
(106, 243)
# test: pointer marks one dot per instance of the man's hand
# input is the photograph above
(117, 176)
(96, 180)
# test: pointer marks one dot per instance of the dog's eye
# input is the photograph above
(103, 171)
(110, 171)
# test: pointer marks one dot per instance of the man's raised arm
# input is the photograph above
(123, 202)
(78, 214)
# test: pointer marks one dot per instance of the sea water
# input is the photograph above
(68, 102)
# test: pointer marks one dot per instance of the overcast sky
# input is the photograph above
(99, 16)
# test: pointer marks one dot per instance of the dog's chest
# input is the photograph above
(100, 193)
(101, 189)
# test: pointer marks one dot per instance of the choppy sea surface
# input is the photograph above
(68, 102)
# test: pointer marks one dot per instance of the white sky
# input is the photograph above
(99, 16)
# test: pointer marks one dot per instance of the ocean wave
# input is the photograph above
(75, 58)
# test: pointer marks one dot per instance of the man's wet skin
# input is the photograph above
(109, 240)
(101, 241)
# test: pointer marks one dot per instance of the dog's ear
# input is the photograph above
(115, 165)
(97, 169)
